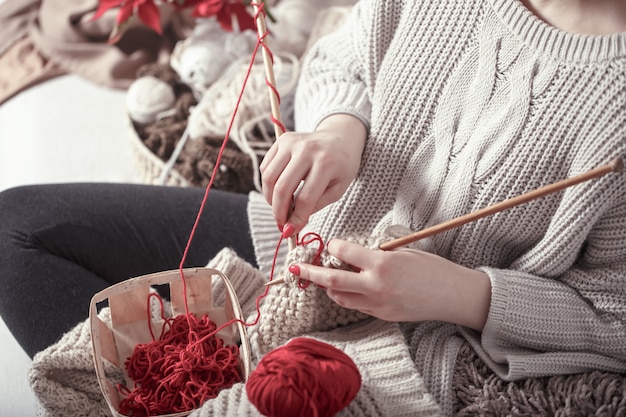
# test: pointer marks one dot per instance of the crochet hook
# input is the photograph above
(616, 165)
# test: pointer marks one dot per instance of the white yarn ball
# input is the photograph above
(202, 64)
(147, 97)
(294, 23)
(202, 58)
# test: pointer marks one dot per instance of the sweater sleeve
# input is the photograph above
(572, 323)
(334, 78)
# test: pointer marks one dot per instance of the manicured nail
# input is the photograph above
(288, 230)
(280, 228)
(294, 269)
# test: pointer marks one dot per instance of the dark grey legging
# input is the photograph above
(61, 244)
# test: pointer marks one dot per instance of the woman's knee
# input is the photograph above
(16, 207)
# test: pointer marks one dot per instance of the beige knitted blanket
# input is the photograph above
(64, 380)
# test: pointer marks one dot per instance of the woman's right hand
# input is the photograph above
(327, 160)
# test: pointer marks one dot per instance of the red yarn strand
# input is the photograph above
(187, 364)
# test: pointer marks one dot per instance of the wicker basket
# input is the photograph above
(114, 342)
(149, 166)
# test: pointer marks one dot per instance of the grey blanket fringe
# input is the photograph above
(479, 392)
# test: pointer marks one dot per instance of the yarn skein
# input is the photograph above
(303, 378)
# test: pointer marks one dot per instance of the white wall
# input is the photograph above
(65, 129)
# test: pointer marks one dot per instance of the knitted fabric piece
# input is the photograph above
(391, 386)
(64, 380)
(289, 310)
(63, 377)
(197, 161)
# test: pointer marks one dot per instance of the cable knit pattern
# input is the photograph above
(469, 103)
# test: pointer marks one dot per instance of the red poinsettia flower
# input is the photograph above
(224, 12)
(146, 10)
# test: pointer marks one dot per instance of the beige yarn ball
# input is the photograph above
(147, 97)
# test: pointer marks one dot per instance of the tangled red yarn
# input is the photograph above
(178, 372)
(303, 378)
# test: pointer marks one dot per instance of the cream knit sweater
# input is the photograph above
(468, 103)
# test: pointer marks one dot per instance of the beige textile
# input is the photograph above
(64, 381)
(61, 35)
(16, 16)
(22, 66)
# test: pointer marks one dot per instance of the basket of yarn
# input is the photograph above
(171, 344)
(158, 108)
(148, 165)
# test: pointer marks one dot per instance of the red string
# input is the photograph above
(172, 375)
(187, 364)
(217, 165)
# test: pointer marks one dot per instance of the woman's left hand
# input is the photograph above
(403, 285)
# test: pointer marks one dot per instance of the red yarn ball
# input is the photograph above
(303, 378)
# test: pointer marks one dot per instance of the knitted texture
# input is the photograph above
(63, 377)
(65, 383)
(468, 104)
(294, 307)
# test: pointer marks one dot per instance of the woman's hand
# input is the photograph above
(327, 160)
(403, 285)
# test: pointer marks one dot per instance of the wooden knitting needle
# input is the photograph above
(268, 62)
(617, 165)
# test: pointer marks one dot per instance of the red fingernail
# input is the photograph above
(280, 227)
(288, 230)
(294, 269)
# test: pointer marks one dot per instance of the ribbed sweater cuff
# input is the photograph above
(533, 329)
(265, 234)
(342, 98)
